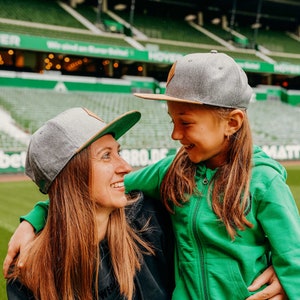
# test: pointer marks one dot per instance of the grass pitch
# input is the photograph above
(18, 198)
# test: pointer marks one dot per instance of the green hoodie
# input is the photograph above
(208, 264)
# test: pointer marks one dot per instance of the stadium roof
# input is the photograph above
(275, 13)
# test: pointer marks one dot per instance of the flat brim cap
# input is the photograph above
(59, 139)
(206, 78)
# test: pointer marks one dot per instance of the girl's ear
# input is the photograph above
(234, 122)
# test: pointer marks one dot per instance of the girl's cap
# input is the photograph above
(206, 78)
(59, 139)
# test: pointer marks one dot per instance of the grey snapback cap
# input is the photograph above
(206, 78)
(59, 139)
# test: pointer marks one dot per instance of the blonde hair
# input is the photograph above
(63, 261)
(229, 189)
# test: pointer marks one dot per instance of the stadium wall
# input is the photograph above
(14, 162)
(128, 84)
(53, 81)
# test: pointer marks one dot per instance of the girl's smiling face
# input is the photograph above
(200, 131)
(108, 171)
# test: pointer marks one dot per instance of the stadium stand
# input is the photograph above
(31, 107)
(161, 29)
(168, 26)
(10, 143)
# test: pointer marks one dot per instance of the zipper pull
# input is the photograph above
(205, 181)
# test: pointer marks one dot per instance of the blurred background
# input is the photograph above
(59, 54)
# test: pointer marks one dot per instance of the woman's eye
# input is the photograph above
(106, 155)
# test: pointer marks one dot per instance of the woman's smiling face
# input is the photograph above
(200, 131)
(108, 171)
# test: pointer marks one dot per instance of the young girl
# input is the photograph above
(229, 203)
(88, 250)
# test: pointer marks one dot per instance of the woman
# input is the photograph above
(88, 249)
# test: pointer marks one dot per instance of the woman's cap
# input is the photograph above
(206, 78)
(54, 144)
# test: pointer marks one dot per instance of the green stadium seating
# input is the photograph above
(272, 121)
(31, 107)
(167, 33)
(9, 143)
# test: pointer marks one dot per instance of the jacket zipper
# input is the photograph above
(198, 241)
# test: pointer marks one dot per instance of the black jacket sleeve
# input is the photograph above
(16, 291)
(155, 280)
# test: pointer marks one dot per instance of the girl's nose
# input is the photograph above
(176, 134)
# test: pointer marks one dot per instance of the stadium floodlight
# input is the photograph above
(120, 7)
(256, 25)
(216, 21)
(190, 18)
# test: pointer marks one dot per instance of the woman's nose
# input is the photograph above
(123, 166)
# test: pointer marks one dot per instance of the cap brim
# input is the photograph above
(163, 97)
(117, 127)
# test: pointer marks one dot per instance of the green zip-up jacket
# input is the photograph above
(208, 264)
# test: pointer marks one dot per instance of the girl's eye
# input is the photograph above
(181, 122)
(185, 123)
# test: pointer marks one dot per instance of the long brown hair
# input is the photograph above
(62, 262)
(229, 189)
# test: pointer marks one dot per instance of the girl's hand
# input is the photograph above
(273, 291)
(22, 237)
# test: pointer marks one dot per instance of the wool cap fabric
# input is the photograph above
(206, 78)
(54, 144)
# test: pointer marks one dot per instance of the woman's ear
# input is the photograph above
(234, 122)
